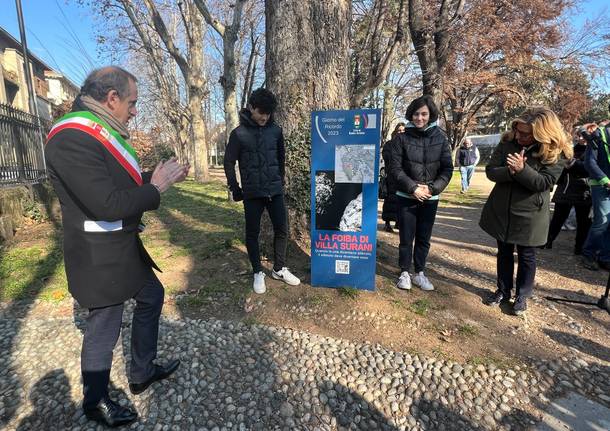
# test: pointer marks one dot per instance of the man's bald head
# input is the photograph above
(103, 80)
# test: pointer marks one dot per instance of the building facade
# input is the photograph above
(52, 89)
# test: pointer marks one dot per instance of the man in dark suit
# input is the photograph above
(103, 195)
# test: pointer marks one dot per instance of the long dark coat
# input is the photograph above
(390, 203)
(517, 210)
(103, 268)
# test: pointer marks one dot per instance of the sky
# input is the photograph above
(59, 32)
(62, 33)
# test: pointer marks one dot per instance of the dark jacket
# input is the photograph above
(517, 210)
(103, 268)
(421, 157)
(467, 156)
(261, 155)
(597, 158)
(386, 155)
(390, 203)
(572, 187)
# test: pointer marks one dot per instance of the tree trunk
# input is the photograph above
(389, 93)
(307, 62)
(307, 68)
(430, 27)
(228, 80)
(197, 92)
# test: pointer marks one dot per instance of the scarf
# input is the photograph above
(104, 113)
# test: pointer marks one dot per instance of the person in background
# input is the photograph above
(389, 212)
(572, 192)
(596, 250)
(421, 166)
(468, 157)
(524, 167)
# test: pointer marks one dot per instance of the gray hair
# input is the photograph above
(101, 81)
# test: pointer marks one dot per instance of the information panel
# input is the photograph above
(344, 181)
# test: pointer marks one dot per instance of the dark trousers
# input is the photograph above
(253, 210)
(583, 223)
(415, 222)
(102, 333)
(526, 269)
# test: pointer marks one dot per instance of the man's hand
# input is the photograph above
(516, 162)
(422, 193)
(168, 173)
(238, 195)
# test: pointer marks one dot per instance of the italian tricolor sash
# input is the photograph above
(86, 122)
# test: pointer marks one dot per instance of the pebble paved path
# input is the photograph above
(239, 377)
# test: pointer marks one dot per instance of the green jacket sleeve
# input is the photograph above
(542, 180)
(496, 170)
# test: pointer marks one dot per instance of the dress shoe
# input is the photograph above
(111, 414)
(498, 298)
(589, 263)
(604, 265)
(161, 372)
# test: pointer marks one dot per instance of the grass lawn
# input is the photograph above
(195, 223)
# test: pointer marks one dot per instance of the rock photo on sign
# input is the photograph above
(338, 205)
(355, 164)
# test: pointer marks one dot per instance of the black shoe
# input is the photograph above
(519, 306)
(388, 228)
(604, 265)
(111, 414)
(498, 298)
(589, 263)
(161, 372)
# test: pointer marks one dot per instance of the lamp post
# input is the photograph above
(28, 78)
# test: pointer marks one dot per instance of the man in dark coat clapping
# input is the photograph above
(103, 193)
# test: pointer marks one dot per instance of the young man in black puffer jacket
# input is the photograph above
(258, 145)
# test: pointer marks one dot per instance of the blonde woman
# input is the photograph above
(525, 165)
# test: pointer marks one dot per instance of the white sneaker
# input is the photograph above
(259, 282)
(404, 281)
(286, 276)
(422, 281)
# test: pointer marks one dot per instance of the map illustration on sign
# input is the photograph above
(355, 164)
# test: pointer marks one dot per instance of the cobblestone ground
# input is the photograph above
(251, 377)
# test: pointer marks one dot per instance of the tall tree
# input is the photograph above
(191, 67)
(432, 26)
(377, 36)
(229, 34)
(307, 67)
(307, 46)
(499, 60)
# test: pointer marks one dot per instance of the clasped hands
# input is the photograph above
(168, 173)
(516, 162)
(422, 192)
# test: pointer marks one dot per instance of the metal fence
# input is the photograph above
(21, 147)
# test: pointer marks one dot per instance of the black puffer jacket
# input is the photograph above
(572, 187)
(387, 156)
(421, 157)
(261, 155)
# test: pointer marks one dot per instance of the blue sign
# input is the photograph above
(344, 181)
